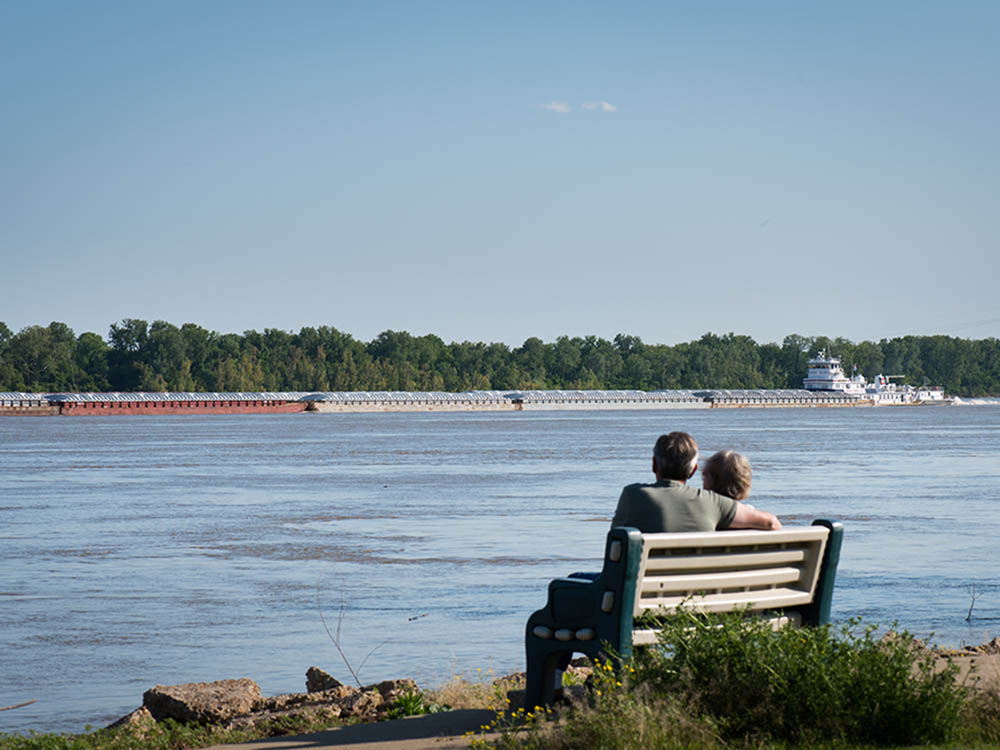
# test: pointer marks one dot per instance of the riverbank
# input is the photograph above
(393, 715)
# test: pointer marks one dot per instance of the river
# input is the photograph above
(137, 551)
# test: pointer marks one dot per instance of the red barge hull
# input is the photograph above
(160, 408)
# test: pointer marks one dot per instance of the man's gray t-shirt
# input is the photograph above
(669, 505)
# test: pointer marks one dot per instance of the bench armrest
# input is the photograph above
(818, 611)
(595, 606)
(572, 600)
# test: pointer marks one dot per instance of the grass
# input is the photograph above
(480, 691)
(165, 735)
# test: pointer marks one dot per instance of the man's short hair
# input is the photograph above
(676, 455)
(728, 473)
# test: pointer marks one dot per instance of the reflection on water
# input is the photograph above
(166, 549)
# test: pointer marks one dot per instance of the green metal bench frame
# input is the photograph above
(786, 575)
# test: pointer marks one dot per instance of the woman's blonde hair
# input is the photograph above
(728, 473)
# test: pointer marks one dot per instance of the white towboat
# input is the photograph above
(826, 374)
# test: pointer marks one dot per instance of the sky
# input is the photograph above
(497, 171)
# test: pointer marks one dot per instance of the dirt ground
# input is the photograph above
(979, 666)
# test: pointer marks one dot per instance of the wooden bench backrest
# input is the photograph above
(726, 571)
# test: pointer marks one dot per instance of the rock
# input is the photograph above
(337, 693)
(291, 700)
(317, 680)
(239, 704)
(392, 690)
(311, 714)
(363, 704)
(138, 718)
(285, 701)
(202, 702)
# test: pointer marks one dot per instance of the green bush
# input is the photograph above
(725, 681)
(803, 685)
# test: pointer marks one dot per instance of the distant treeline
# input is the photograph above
(138, 356)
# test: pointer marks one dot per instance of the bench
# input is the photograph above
(786, 576)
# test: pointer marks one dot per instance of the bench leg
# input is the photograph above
(541, 678)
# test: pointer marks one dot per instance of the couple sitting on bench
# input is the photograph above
(670, 504)
(663, 552)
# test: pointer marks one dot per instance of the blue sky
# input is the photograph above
(495, 171)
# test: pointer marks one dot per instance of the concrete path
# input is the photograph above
(443, 731)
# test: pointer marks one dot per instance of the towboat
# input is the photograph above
(826, 373)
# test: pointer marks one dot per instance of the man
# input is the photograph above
(670, 505)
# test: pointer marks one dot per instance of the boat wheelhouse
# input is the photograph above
(826, 374)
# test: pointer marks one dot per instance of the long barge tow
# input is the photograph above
(171, 403)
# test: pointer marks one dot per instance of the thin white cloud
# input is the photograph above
(603, 106)
(560, 107)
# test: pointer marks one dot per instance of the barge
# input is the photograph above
(163, 404)
(825, 385)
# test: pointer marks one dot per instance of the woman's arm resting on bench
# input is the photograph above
(751, 518)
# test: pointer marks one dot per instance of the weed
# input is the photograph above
(414, 703)
(517, 729)
(481, 691)
(336, 639)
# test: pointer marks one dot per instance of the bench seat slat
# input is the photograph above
(709, 582)
(645, 637)
(726, 561)
(726, 602)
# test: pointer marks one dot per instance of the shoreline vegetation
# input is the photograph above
(715, 682)
(138, 356)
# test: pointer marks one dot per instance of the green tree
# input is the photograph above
(530, 360)
(249, 373)
(604, 360)
(868, 358)
(43, 357)
(91, 360)
(166, 355)
(565, 361)
(772, 371)
(127, 342)
(161, 356)
(346, 376)
(10, 376)
(199, 346)
(795, 356)
(902, 357)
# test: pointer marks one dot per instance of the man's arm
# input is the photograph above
(751, 518)
(621, 511)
